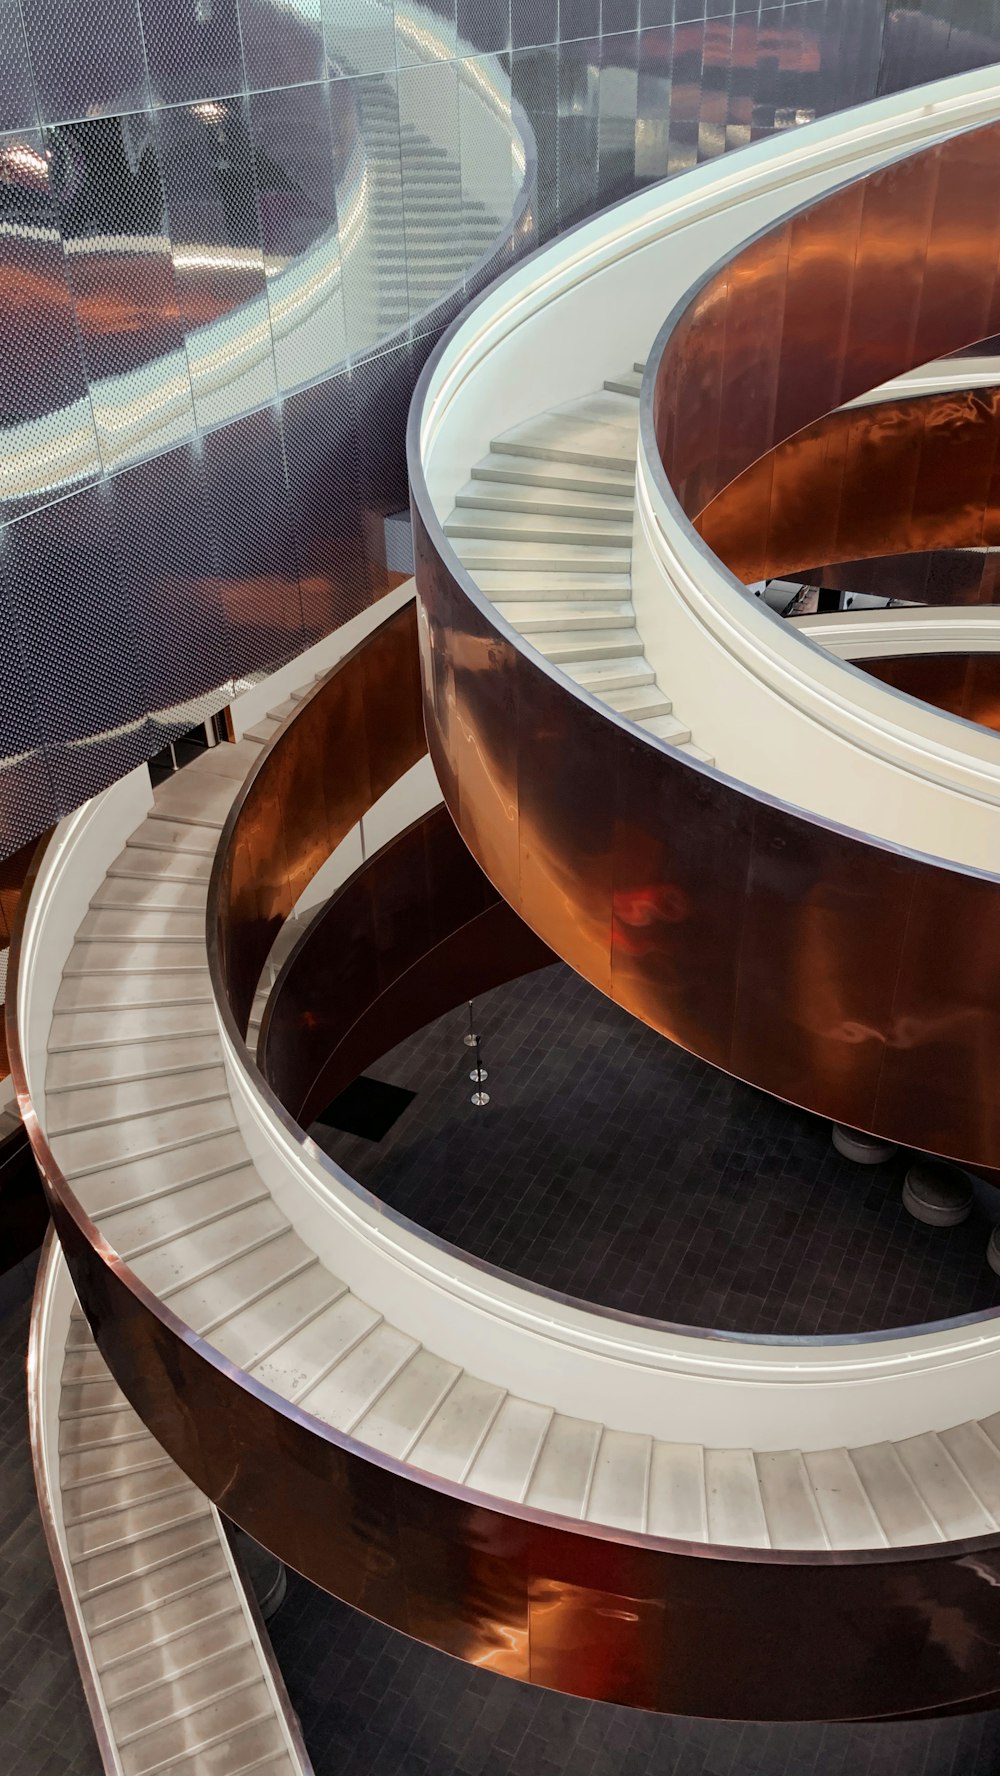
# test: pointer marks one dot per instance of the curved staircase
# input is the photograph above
(544, 526)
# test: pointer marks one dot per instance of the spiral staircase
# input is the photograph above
(555, 1492)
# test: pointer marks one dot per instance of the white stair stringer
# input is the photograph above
(141, 1123)
(544, 526)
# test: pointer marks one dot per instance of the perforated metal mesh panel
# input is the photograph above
(231, 232)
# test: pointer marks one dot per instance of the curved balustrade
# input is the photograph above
(843, 972)
(587, 1607)
(901, 476)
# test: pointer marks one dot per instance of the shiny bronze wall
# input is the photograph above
(415, 931)
(350, 741)
(897, 477)
(848, 976)
(944, 576)
(594, 1612)
(889, 272)
(964, 684)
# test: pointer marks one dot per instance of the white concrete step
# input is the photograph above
(454, 1435)
(124, 1060)
(120, 1652)
(516, 583)
(354, 1384)
(228, 1670)
(791, 1511)
(303, 1359)
(242, 1722)
(179, 839)
(142, 924)
(626, 382)
(540, 527)
(152, 867)
(158, 893)
(104, 1572)
(903, 1516)
(562, 1475)
(734, 1505)
(619, 1493)
(125, 1184)
(146, 1591)
(554, 438)
(562, 646)
(505, 1462)
(641, 703)
(141, 992)
(193, 1257)
(241, 1280)
(405, 1408)
(505, 469)
(89, 1107)
(561, 503)
(274, 1318)
(147, 1226)
(582, 558)
(184, 1654)
(603, 676)
(563, 618)
(667, 727)
(102, 1149)
(130, 1523)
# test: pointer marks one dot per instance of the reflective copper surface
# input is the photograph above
(896, 477)
(889, 272)
(415, 931)
(965, 684)
(766, 940)
(365, 723)
(595, 1612)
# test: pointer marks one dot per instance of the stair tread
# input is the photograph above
(498, 466)
(482, 495)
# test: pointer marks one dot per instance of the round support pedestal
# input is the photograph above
(938, 1195)
(265, 1573)
(865, 1150)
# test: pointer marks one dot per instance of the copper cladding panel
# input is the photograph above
(862, 298)
(964, 684)
(600, 1614)
(347, 742)
(919, 476)
(413, 932)
(762, 939)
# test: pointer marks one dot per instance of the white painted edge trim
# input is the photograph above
(54, 1297)
(890, 634)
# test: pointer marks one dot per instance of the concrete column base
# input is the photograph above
(938, 1195)
(865, 1150)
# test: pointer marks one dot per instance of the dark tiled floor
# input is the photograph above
(45, 1728)
(613, 1166)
